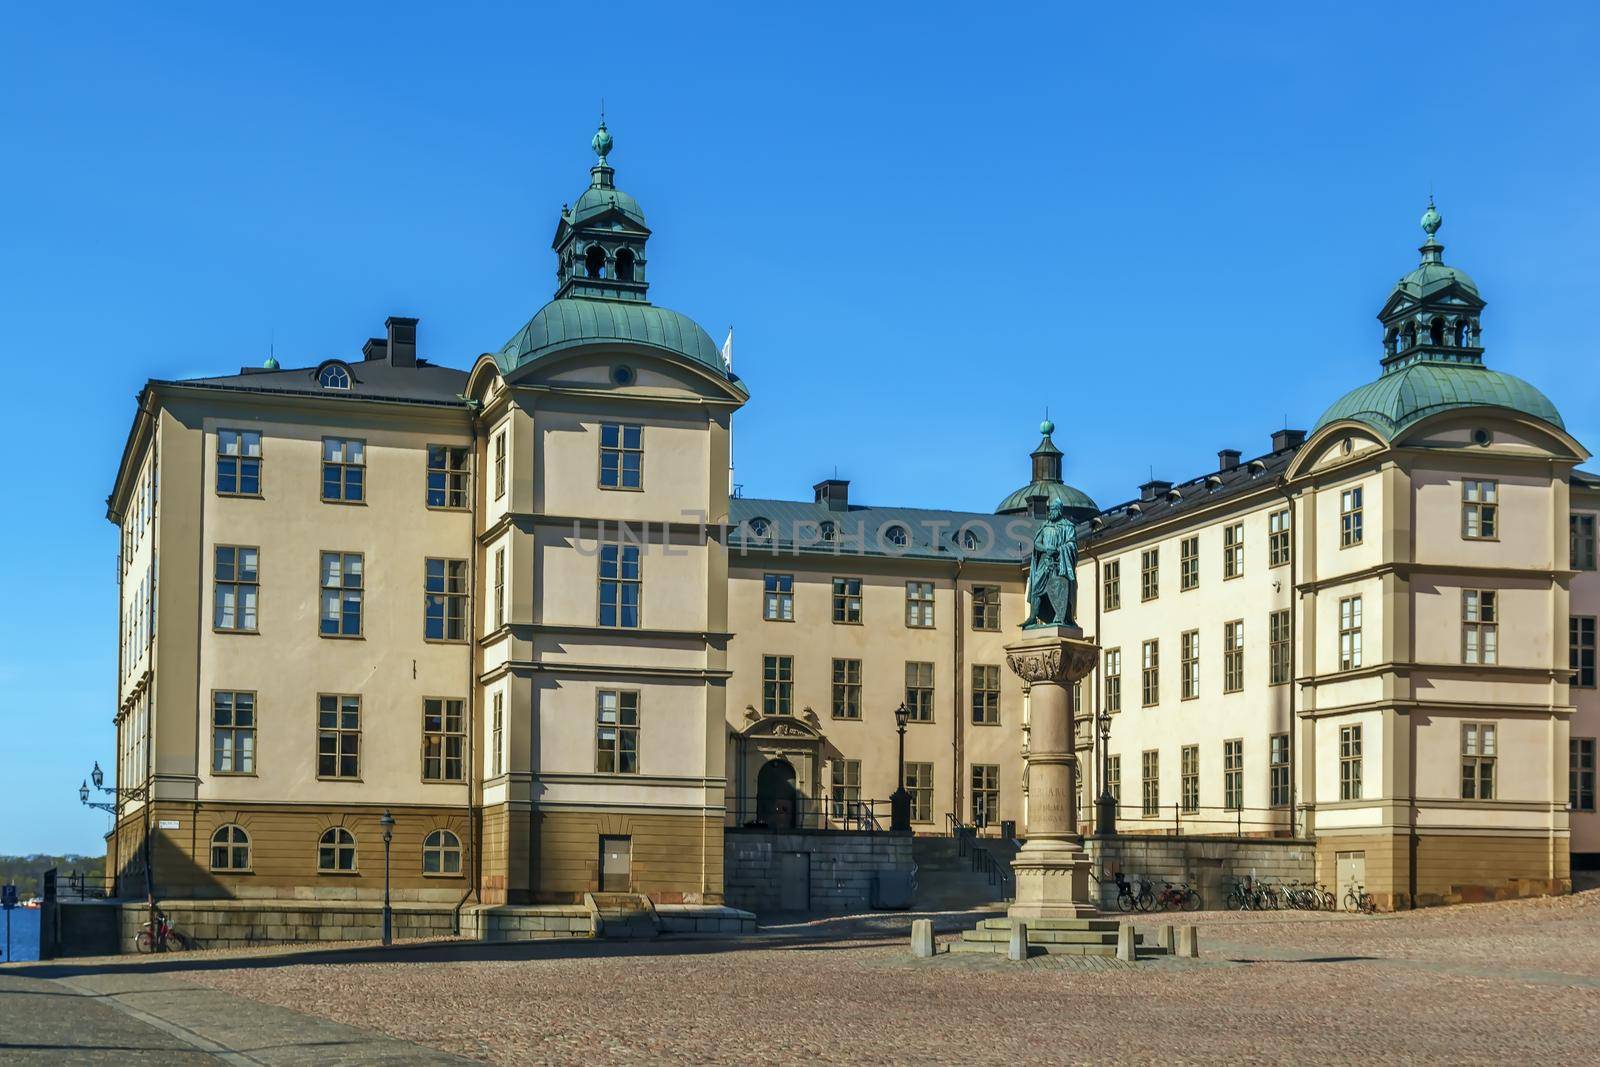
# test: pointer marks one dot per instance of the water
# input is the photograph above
(24, 934)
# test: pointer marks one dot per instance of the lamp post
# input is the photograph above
(124, 795)
(1105, 805)
(387, 822)
(900, 799)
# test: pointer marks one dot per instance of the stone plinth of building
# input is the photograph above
(1052, 868)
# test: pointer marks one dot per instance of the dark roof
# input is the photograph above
(1585, 479)
(862, 530)
(1205, 490)
(369, 380)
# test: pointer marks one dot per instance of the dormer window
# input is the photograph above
(759, 527)
(895, 535)
(334, 376)
(829, 531)
(970, 540)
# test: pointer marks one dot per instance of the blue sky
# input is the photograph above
(1171, 224)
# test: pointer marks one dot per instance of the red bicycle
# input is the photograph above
(159, 936)
(1180, 897)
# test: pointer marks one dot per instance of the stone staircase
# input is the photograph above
(946, 880)
(1058, 937)
(622, 916)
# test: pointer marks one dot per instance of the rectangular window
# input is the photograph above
(1233, 656)
(1150, 672)
(233, 732)
(1480, 510)
(778, 605)
(919, 604)
(444, 600)
(238, 463)
(1350, 517)
(236, 585)
(985, 793)
(1580, 777)
(1150, 783)
(919, 691)
(500, 465)
(621, 455)
(344, 470)
(1580, 650)
(1189, 563)
(341, 594)
(1189, 778)
(919, 783)
(985, 695)
(1233, 774)
(777, 685)
(1349, 763)
(1477, 760)
(1582, 528)
(1480, 628)
(1233, 551)
(447, 476)
(1189, 653)
(1280, 771)
(338, 736)
(1150, 574)
(444, 740)
(616, 732)
(847, 689)
(1280, 652)
(847, 600)
(1114, 777)
(1111, 579)
(620, 585)
(497, 738)
(1349, 633)
(1113, 680)
(1278, 538)
(986, 607)
(499, 588)
(846, 782)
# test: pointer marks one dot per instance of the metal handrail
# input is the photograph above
(806, 813)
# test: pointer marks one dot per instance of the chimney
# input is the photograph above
(375, 348)
(1155, 487)
(402, 341)
(1284, 439)
(834, 492)
(1227, 459)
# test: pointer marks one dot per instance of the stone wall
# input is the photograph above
(1210, 864)
(826, 872)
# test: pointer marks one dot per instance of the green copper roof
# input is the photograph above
(1408, 394)
(1070, 497)
(573, 321)
(599, 198)
(1429, 278)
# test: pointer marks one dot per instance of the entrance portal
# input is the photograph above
(777, 799)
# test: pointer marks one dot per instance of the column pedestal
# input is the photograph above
(1052, 868)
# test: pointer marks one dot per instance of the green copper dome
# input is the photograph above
(1409, 394)
(1071, 498)
(598, 199)
(569, 322)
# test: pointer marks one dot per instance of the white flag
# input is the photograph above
(727, 351)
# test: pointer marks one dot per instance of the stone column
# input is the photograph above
(1052, 869)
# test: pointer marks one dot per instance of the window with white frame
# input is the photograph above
(236, 588)
(1478, 751)
(617, 731)
(1479, 626)
(778, 598)
(1351, 517)
(342, 594)
(1349, 633)
(919, 604)
(344, 470)
(1480, 510)
(238, 463)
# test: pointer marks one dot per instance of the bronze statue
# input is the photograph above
(1053, 572)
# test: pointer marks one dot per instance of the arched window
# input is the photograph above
(594, 262)
(334, 376)
(230, 849)
(970, 539)
(829, 531)
(441, 853)
(1463, 333)
(1391, 341)
(758, 527)
(895, 535)
(1436, 331)
(336, 851)
(1408, 336)
(625, 265)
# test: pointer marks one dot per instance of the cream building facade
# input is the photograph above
(519, 609)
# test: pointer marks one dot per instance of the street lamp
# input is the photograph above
(1105, 823)
(900, 799)
(387, 822)
(98, 777)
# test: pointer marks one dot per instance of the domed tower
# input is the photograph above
(600, 240)
(1433, 352)
(1034, 498)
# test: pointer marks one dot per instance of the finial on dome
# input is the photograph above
(1431, 219)
(271, 363)
(1047, 427)
(601, 142)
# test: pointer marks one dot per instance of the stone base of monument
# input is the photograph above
(1057, 937)
(1052, 882)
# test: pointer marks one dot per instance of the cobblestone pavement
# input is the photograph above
(1469, 984)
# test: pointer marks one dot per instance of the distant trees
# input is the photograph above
(27, 872)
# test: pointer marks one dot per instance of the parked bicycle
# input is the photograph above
(1133, 896)
(1357, 899)
(158, 935)
(1180, 897)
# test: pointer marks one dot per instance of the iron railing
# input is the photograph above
(804, 813)
(1209, 819)
(82, 885)
(979, 858)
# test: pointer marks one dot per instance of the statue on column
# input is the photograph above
(1053, 572)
